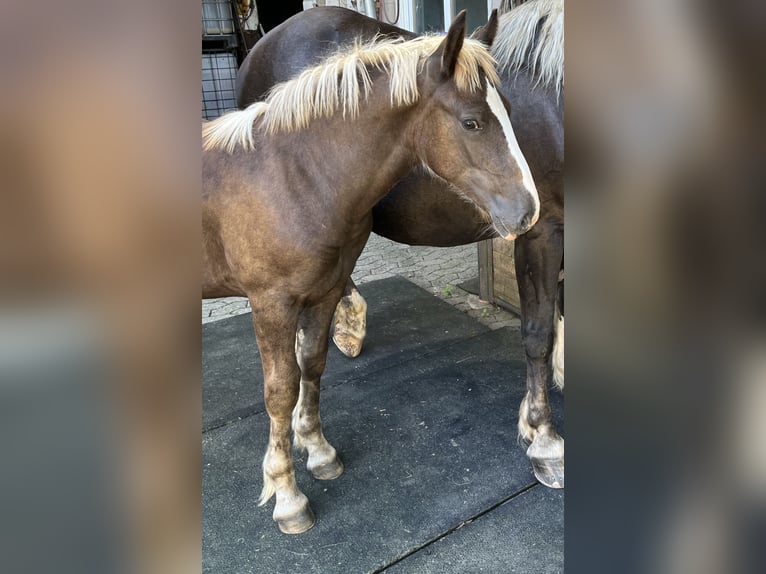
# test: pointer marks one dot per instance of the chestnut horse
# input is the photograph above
(422, 209)
(288, 190)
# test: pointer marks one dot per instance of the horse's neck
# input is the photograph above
(360, 160)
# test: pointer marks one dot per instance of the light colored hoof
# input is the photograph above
(546, 454)
(298, 522)
(350, 324)
(549, 472)
(347, 344)
(328, 471)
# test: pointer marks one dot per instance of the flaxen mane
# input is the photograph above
(531, 36)
(339, 82)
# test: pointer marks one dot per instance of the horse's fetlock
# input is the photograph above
(276, 467)
(538, 414)
(306, 427)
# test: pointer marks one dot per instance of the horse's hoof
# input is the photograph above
(348, 344)
(549, 472)
(546, 453)
(328, 471)
(298, 522)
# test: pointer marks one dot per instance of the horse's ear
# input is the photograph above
(486, 33)
(452, 44)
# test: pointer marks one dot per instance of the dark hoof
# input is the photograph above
(328, 471)
(297, 523)
(549, 472)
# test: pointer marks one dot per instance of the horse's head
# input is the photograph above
(465, 136)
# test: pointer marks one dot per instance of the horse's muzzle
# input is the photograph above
(513, 218)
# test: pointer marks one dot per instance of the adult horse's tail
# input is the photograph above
(531, 35)
(508, 5)
(558, 341)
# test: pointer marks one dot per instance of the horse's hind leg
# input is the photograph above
(538, 257)
(311, 350)
(275, 330)
(350, 322)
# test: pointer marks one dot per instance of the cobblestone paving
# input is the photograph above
(435, 269)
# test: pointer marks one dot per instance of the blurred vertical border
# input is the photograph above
(99, 308)
(666, 353)
(99, 266)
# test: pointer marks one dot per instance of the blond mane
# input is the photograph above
(339, 83)
(515, 48)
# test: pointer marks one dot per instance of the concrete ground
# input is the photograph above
(438, 270)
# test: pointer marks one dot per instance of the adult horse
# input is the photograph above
(423, 210)
(288, 189)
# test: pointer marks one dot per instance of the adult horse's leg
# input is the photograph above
(538, 257)
(275, 331)
(350, 321)
(311, 349)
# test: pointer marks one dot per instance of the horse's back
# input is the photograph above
(300, 42)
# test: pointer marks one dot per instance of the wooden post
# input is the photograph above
(486, 271)
(505, 291)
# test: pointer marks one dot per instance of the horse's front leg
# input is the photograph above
(538, 256)
(350, 321)
(311, 349)
(275, 327)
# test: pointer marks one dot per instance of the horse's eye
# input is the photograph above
(471, 124)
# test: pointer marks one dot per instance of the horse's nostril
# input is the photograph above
(525, 221)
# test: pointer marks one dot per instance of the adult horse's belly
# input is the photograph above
(422, 210)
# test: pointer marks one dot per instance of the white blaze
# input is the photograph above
(497, 107)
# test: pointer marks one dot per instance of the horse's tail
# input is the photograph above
(558, 342)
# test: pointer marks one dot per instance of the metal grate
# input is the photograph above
(218, 74)
(217, 18)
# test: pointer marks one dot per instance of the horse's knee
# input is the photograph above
(538, 342)
(280, 399)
